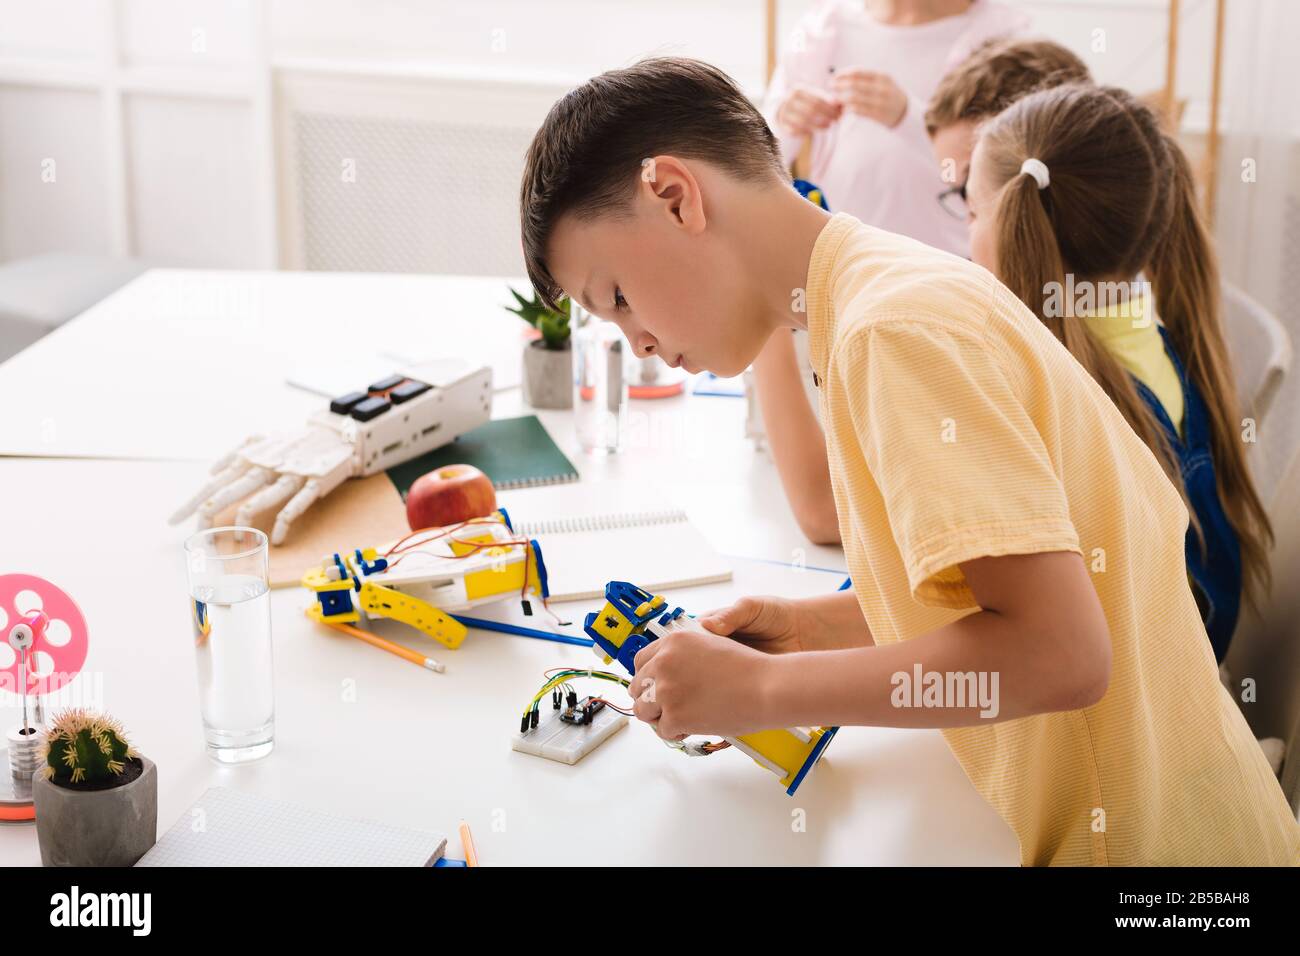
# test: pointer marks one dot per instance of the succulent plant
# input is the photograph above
(553, 325)
(85, 748)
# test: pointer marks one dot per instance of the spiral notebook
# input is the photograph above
(657, 549)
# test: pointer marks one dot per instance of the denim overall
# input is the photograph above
(1214, 559)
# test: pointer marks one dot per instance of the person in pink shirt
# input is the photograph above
(855, 79)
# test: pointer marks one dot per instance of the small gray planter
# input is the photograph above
(112, 827)
(548, 376)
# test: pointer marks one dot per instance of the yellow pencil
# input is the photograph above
(415, 657)
(467, 844)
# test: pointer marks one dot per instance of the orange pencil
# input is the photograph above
(415, 657)
(467, 844)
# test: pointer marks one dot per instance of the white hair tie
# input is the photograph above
(1037, 169)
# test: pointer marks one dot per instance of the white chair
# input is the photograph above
(1260, 349)
(1267, 645)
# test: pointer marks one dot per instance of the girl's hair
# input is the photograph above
(1121, 200)
(996, 74)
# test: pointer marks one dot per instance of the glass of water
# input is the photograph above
(230, 610)
(600, 387)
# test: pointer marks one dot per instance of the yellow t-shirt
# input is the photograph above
(957, 427)
(1130, 331)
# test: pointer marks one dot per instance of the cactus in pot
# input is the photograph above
(548, 361)
(96, 797)
(86, 748)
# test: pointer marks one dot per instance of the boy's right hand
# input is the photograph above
(807, 110)
(768, 624)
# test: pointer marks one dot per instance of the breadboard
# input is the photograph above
(567, 743)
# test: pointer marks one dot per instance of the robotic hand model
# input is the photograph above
(428, 573)
(633, 617)
(360, 434)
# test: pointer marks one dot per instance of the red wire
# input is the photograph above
(442, 533)
(474, 549)
(397, 548)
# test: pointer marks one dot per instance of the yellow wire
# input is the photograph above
(565, 676)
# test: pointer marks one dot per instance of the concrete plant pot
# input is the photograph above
(548, 376)
(109, 827)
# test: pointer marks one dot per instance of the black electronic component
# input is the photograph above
(582, 711)
(385, 384)
(407, 391)
(523, 724)
(345, 403)
(572, 698)
(555, 699)
(537, 715)
(370, 408)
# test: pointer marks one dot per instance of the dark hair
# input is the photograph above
(587, 156)
(1121, 200)
(996, 74)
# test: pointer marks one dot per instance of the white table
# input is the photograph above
(178, 362)
(426, 750)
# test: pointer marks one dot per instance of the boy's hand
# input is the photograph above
(871, 94)
(769, 624)
(693, 682)
(807, 110)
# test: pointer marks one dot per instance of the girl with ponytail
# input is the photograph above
(1076, 194)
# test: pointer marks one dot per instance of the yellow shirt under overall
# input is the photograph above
(1130, 331)
(957, 427)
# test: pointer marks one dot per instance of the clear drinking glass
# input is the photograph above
(600, 387)
(230, 608)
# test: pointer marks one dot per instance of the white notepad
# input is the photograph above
(659, 550)
(232, 828)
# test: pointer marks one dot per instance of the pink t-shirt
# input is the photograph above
(885, 177)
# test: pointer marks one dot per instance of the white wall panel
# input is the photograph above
(50, 29)
(51, 133)
(575, 37)
(192, 181)
(198, 34)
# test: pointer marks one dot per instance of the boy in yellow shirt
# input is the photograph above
(1000, 520)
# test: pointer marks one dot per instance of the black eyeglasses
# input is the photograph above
(953, 201)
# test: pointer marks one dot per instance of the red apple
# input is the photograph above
(449, 495)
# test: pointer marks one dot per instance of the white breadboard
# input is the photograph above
(568, 743)
(231, 828)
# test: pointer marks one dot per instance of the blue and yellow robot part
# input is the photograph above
(633, 617)
(334, 599)
(619, 630)
(482, 560)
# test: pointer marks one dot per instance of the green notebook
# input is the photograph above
(513, 452)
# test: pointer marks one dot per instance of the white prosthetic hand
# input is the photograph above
(362, 433)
